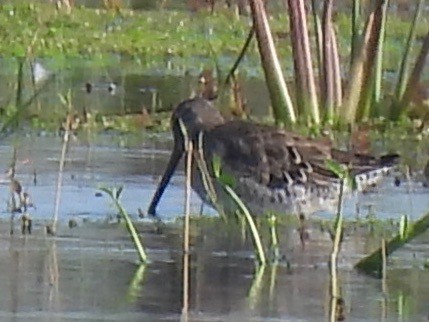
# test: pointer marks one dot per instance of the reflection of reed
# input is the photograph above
(135, 288)
(53, 277)
(384, 281)
(273, 279)
(255, 288)
(185, 294)
(337, 304)
(14, 281)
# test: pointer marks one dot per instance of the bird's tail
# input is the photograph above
(371, 173)
(367, 170)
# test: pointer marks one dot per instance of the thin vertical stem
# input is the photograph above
(384, 267)
(60, 175)
(187, 196)
(20, 83)
(272, 220)
(189, 149)
(13, 204)
(379, 58)
(240, 57)
(328, 82)
(355, 30)
(335, 291)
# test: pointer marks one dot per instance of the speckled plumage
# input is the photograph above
(274, 169)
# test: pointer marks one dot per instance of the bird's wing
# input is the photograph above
(278, 158)
(270, 156)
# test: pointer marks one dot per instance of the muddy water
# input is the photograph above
(89, 273)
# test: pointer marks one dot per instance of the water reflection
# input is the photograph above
(89, 273)
(150, 89)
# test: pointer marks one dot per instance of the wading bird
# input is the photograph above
(273, 169)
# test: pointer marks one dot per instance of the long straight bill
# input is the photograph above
(175, 157)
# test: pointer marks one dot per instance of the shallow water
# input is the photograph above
(137, 162)
(89, 273)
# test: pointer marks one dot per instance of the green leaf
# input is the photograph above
(106, 190)
(224, 178)
(119, 191)
(227, 179)
(63, 99)
(403, 227)
(216, 163)
(339, 169)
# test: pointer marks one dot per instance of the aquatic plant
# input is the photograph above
(336, 301)
(68, 128)
(274, 245)
(373, 263)
(362, 92)
(185, 282)
(14, 114)
(280, 99)
(19, 200)
(151, 38)
(226, 183)
(115, 194)
(404, 66)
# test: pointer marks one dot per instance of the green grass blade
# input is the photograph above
(114, 195)
(253, 229)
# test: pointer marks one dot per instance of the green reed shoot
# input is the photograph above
(272, 224)
(115, 194)
(224, 180)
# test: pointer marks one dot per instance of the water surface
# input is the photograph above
(89, 273)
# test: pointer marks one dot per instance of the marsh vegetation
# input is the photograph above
(85, 101)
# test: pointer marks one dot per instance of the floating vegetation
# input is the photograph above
(373, 263)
